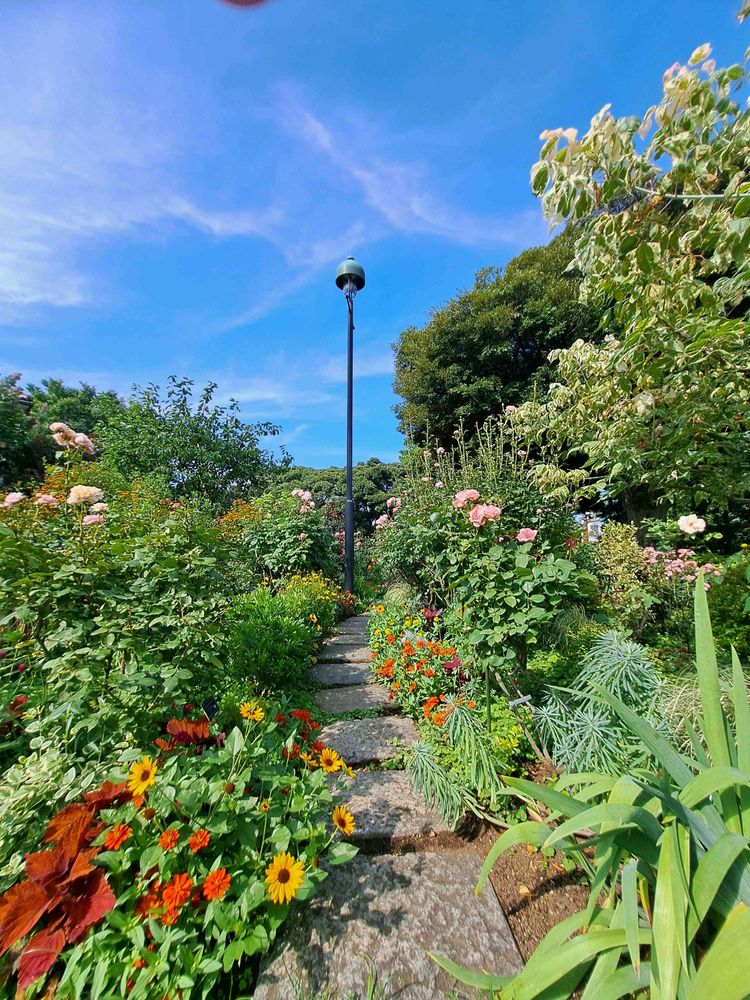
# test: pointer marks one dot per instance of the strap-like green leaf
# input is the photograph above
(710, 781)
(707, 890)
(470, 977)
(564, 804)
(624, 982)
(725, 970)
(619, 814)
(670, 905)
(741, 700)
(629, 886)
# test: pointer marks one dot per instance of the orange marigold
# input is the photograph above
(117, 836)
(199, 840)
(177, 891)
(216, 884)
(168, 839)
(429, 706)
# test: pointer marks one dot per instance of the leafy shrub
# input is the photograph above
(670, 854)
(279, 535)
(729, 601)
(270, 645)
(162, 883)
(314, 599)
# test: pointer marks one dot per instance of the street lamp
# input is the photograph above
(350, 278)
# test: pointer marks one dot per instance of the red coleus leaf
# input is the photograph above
(93, 899)
(82, 865)
(186, 732)
(70, 828)
(108, 795)
(39, 956)
(47, 866)
(20, 909)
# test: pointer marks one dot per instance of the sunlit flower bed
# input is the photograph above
(182, 866)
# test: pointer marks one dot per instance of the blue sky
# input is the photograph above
(179, 179)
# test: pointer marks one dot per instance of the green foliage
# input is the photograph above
(670, 854)
(661, 207)
(581, 733)
(20, 449)
(729, 601)
(201, 451)
(269, 644)
(488, 347)
(622, 571)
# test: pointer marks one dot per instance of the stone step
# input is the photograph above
(386, 807)
(364, 741)
(382, 915)
(354, 654)
(348, 639)
(352, 698)
(341, 674)
(356, 626)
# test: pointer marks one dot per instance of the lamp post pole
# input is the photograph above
(350, 278)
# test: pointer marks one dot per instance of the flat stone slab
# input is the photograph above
(351, 698)
(385, 805)
(382, 915)
(364, 740)
(348, 639)
(356, 625)
(341, 674)
(341, 654)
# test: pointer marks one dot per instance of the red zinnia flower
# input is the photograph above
(300, 713)
(199, 840)
(168, 839)
(177, 891)
(216, 884)
(117, 836)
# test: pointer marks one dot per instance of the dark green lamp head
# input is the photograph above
(350, 272)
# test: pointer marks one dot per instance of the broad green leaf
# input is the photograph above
(670, 905)
(708, 681)
(619, 814)
(624, 982)
(714, 779)
(706, 888)
(741, 701)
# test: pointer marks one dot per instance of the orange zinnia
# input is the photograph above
(169, 839)
(216, 884)
(177, 892)
(170, 916)
(199, 840)
(117, 836)
(429, 705)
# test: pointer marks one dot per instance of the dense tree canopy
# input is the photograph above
(199, 449)
(487, 348)
(658, 414)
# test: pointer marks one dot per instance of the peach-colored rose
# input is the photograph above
(463, 497)
(483, 513)
(527, 535)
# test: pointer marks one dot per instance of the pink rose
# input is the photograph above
(13, 498)
(483, 513)
(45, 500)
(526, 535)
(93, 519)
(463, 497)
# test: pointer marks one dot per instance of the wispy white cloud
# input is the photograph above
(368, 361)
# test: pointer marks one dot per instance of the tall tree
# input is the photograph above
(487, 347)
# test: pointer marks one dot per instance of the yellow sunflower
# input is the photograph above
(284, 877)
(142, 776)
(343, 820)
(330, 760)
(251, 712)
(309, 759)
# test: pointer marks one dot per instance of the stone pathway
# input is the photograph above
(382, 912)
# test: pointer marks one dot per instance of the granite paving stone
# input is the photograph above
(385, 805)
(341, 674)
(383, 914)
(362, 741)
(353, 654)
(352, 698)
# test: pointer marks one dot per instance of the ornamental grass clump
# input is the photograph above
(165, 879)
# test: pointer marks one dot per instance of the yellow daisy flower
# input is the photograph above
(251, 712)
(284, 877)
(330, 760)
(343, 820)
(142, 776)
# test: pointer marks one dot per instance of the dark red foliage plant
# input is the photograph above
(64, 893)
